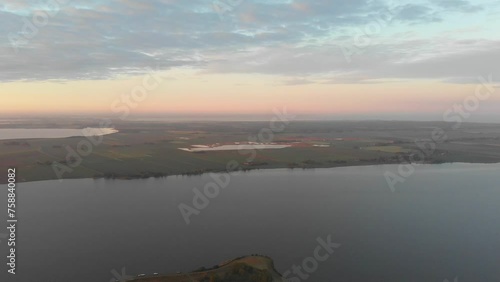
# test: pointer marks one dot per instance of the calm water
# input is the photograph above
(444, 222)
(23, 133)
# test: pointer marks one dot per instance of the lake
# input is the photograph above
(32, 133)
(442, 223)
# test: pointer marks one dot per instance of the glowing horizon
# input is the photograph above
(366, 59)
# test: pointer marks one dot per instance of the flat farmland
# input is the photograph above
(152, 149)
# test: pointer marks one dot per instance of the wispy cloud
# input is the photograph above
(102, 39)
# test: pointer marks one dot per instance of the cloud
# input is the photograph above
(459, 5)
(417, 13)
(298, 81)
(101, 39)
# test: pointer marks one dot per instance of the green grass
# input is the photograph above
(153, 148)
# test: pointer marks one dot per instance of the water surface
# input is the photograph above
(444, 222)
(31, 133)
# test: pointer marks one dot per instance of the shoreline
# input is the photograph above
(247, 265)
(142, 150)
(59, 133)
(200, 174)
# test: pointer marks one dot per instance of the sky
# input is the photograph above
(357, 59)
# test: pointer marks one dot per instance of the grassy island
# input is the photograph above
(243, 269)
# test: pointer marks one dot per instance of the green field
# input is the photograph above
(151, 149)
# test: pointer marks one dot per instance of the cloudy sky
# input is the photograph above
(323, 58)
